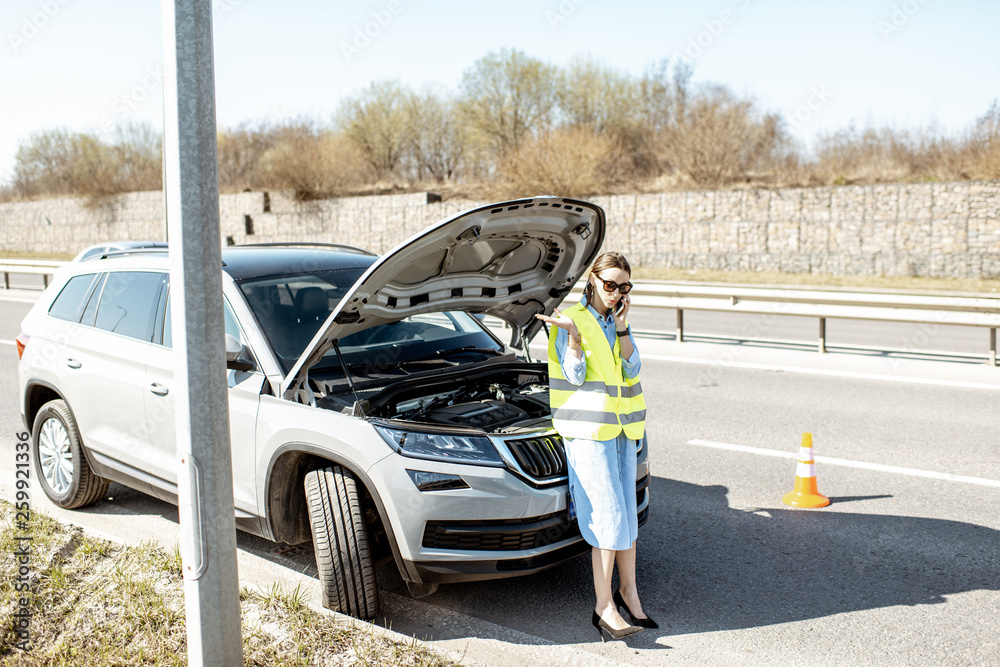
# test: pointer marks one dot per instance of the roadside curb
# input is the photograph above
(454, 656)
(254, 572)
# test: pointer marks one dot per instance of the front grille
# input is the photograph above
(500, 535)
(542, 457)
(512, 534)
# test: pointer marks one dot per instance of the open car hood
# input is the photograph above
(510, 260)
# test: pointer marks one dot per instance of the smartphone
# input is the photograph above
(619, 306)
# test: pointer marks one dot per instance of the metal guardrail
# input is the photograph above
(974, 311)
(45, 268)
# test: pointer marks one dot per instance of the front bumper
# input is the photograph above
(502, 525)
(445, 572)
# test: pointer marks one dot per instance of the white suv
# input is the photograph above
(370, 409)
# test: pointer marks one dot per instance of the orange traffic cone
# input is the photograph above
(805, 493)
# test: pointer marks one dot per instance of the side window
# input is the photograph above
(128, 303)
(70, 300)
(91, 311)
(232, 327)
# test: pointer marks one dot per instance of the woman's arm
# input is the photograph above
(574, 368)
(630, 363)
(626, 344)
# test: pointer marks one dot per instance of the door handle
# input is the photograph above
(73, 363)
(159, 389)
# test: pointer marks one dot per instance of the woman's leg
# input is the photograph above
(604, 565)
(626, 577)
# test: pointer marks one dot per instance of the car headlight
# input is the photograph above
(442, 446)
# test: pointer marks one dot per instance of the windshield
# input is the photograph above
(290, 310)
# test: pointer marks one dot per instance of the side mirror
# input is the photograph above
(238, 356)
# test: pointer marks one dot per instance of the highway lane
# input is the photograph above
(899, 570)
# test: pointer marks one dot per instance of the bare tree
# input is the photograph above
(313, 162)
(137, 158)
(61, 163)
(597, 97)
(574, 161)
(660, 100)
(240, 151)
(719, 138)
(438, 136)
(663, 94)
(984, 144)
(377, 120)
(506, 96)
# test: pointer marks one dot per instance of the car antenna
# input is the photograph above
(358, 408)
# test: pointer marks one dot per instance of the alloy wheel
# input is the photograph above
(55, 455)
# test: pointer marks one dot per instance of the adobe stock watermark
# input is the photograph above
(758, 326)
(562, 12)
(713, 29)
(33, 23)
(899, 16)
(280, 115)
(363, 35)
(818, 97)
(20, 620)
(220, 8)
(123, 106)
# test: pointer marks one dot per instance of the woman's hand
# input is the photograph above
(561, 321)
(622, 315)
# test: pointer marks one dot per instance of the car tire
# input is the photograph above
(340, 540)
(59, 460)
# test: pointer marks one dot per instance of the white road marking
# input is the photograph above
(863, 465)
(821, 371)
(6, 342)
(824, 371)
(18, 299)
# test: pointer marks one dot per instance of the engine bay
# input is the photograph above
(497, 400)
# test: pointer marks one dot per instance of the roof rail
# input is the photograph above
(146, 250)
(318, 244)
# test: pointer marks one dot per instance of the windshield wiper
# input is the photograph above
(442, 354)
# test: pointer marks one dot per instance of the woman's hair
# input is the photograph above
(607, 260)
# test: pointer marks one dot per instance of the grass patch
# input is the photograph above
(96, 603)
(819, 280)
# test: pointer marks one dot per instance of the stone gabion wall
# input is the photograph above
(932, 229)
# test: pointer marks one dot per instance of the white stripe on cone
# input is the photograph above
(804, 469)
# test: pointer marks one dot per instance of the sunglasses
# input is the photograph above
(611, 286)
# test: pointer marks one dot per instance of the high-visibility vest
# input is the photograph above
(606, 403)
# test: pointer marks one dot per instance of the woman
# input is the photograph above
(597, 407)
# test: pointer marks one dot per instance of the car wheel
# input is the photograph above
(59, 461)
(340, 540)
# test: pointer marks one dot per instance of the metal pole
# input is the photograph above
(993, 346)
(822, 334)
(208, 527)
(680, 325)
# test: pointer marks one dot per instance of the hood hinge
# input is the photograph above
(471, 234)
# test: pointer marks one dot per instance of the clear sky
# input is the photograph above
(87, 64)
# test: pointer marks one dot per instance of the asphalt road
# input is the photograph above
(902, 569)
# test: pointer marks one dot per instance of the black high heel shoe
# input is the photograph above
(601, 626)
(641, 622)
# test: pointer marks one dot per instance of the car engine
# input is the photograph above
(497, 402)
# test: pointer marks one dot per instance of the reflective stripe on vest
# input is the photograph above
(606, 403)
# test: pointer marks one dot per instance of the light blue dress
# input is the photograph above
(601, 472)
